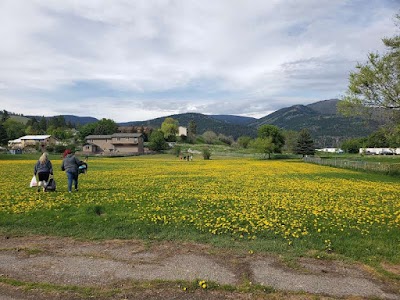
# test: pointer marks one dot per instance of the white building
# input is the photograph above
(330, 150)
(15, 143)
(182, 131)
(31, 140)
(380, 151)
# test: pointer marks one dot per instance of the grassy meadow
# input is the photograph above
(281, 206)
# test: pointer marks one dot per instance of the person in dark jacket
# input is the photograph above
(71, 165)
(43, 169)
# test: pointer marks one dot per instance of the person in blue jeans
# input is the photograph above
(71, 165)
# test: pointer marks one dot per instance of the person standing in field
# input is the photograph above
(43, 169)
(71, 165)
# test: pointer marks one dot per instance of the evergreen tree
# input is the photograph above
(305, 143)
(192, 131)
(43, 125)
(3, 135)
(4, 115)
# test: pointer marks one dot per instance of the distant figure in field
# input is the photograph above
(71, 165)
(43, 169)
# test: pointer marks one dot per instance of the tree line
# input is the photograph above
(270, 139)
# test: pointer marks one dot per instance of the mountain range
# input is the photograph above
(328, 127)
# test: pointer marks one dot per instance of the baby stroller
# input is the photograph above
(82, 169)
(50, 185)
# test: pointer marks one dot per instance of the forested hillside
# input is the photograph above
(204, 123)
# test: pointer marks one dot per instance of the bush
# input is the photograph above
(244, 141)
(206, 153)
(210, 137)
(60, 148)
(228, 140)
(50, 148)
(394, 169)
(352, 145)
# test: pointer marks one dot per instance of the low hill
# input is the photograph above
(13, 116)
(79, 120)
(20, 119)
(75, 120)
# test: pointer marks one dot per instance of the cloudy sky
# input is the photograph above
(136, 60)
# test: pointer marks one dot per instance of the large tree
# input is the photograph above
(375, 83)
(156, 141)
(192, 131)
(105, 126)
(14, 129)
(3, 135)
(276, 135)
(264, 146)
(393, 137)
(291, 137)
(102, 127)
(378, 139)
(170, 128)
(4, 115)
(305, 143)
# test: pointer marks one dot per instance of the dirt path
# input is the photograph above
(61, 268)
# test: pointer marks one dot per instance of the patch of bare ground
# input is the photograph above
(42, 268)
(395, 269)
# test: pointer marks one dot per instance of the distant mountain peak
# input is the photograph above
(326, 107)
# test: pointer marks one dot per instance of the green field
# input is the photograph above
(286, 206)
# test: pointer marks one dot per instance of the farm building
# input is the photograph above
(182, 131)
(330, 150)
(380, 151)
(32, 140)
(117, 143)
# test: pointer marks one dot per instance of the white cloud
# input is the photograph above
(157, 57)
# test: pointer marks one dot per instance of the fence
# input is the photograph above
(387, 168)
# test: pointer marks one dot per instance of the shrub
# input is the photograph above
(60, 148)
(206, 153)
